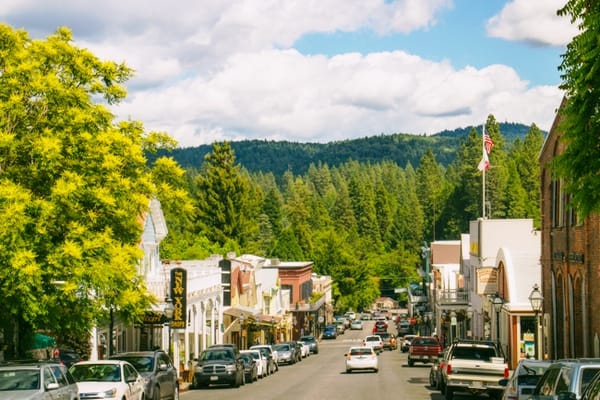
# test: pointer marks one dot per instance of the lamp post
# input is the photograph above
(537, 302)
(169, 309)
(272, 330)
(452, 326)
(470, 312)
(242, 318)
(498, 302)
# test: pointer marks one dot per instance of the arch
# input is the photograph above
(579, 331)
(560, 320)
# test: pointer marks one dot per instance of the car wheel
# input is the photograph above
(348, 370)
(376, 370)
(411, 363)
(156, 393)
(449, 393)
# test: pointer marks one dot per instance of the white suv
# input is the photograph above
(37, 380)
(374, 341)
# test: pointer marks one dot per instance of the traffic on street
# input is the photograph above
(324, 376)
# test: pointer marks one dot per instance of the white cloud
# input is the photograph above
(215, 70)
(283, 94)
(534, 21)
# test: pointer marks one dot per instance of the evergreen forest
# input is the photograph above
(360, 219)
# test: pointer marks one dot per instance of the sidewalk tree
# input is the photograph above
(579, 164)
(74, 186)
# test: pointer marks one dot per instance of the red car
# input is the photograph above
(380, 327)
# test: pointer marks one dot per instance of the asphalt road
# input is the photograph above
(323, 376)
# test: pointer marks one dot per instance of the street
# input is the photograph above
(323, 376)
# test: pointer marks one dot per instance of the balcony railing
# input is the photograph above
(453, 297)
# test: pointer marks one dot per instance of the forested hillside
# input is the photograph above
(403, 149)
(353, 209)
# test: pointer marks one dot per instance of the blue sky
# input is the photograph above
(318, 71)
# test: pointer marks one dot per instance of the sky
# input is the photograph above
(318, 70)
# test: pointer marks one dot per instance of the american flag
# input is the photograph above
(488, 143)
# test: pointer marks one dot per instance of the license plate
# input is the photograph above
(477, 384)
(214, 378)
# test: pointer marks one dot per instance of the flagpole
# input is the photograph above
(483, 172)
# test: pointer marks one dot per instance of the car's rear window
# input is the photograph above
(424, 342)
(361, 352)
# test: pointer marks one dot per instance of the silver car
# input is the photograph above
(39, 381)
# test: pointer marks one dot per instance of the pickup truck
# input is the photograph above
(474, 367)
(423, 349)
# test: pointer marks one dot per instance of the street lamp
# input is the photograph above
(272, 330)
(242, 318)
(168, 311)
(537, 302)
(498, 302)
(470, 312)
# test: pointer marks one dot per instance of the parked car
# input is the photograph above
(406, 339)
(297, 349)
(361, 358)
(356, 325)
(312, 343)
(350, 315)
(524, 379)
(271, 356)
(304, 349)
(435, 373)
(389, 341)
(261, 362)
(103, 379)
(160, 376)
(330, 332)
(565, 379)
(592, 390)
(286, 353)
(375, 342)
(340, 328)
(37, 381)
(219, 365)
(250, 367)
(365, 316)
(67, 357)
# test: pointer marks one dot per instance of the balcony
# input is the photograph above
(452, 297)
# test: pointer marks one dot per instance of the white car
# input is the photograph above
(361, 358)
(108, 379)
(304, 350)
(261, 362)
(374, 341)
(357, 324)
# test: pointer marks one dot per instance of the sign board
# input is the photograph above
(179, 297)
(401, 290)
(487, 280)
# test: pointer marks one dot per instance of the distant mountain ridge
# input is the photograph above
(402, 148)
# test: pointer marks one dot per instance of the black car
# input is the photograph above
(250, 368)
(160, 376)
(311, 342)
(66, 357)
(219, 365)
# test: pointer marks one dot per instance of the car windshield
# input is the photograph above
(424, 342)
(96, 372)
(282, 347)
(23, 379)
(141, 363)
(307, 339)
(209, 355)
(373, 339)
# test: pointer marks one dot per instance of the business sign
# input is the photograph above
(178, 295)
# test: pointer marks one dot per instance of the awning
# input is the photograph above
(42, 341)
(237, 311)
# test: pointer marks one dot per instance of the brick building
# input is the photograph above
(570, 260)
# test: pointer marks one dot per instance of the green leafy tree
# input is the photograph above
(579, 120)
(74, 187)
(228, 203)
